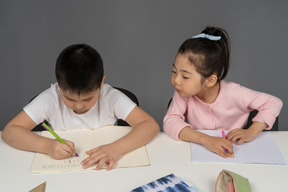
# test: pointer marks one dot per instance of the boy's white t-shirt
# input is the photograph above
(111, 106)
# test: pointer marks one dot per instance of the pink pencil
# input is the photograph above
(223, 135)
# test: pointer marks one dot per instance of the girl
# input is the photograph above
(203, 100)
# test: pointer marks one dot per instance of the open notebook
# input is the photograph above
(84, 140)
(262, 150)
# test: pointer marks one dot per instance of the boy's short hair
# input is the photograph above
(79, 69)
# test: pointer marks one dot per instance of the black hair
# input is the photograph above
(79, 69)
(209, 56)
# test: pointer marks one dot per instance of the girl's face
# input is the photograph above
(80, 104)
(185, 78)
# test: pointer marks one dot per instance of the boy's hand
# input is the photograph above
(218, 145)
(105, 154)
(58, 150)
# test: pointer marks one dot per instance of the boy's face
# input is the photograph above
(80, 104)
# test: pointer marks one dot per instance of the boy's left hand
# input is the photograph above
(102, 155)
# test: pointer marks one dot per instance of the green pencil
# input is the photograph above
(55, 135)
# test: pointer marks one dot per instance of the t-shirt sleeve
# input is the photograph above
(41, 106)
(120, 104)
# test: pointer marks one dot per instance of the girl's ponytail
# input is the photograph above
(209, 52)
(224, 43)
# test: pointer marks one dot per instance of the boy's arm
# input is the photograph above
(17, 133)
(145, 128)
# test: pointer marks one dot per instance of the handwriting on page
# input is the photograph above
(73, 162)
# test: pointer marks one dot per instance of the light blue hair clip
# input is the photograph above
(206, 36)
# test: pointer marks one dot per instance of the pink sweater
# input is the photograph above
(229, 111)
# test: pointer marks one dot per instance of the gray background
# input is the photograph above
(138, 41)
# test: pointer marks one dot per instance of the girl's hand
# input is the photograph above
(218, 145)
(240, 136)
(246, 135)
(58, 150)
(105, 154)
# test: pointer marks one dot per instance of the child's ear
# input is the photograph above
(211, 81)
(104, 76)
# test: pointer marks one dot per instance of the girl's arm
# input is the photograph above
(174, 120)
(246, 135)
(145, 128)
(268, 106)
(17, 133)
(214, 144)
(174, 125)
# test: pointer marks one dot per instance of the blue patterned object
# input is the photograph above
(169, 183)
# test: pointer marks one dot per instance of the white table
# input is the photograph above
(166, 156)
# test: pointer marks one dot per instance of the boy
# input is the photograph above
(80, 99)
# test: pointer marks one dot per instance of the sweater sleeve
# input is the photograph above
(174, 120)
(268, 106)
